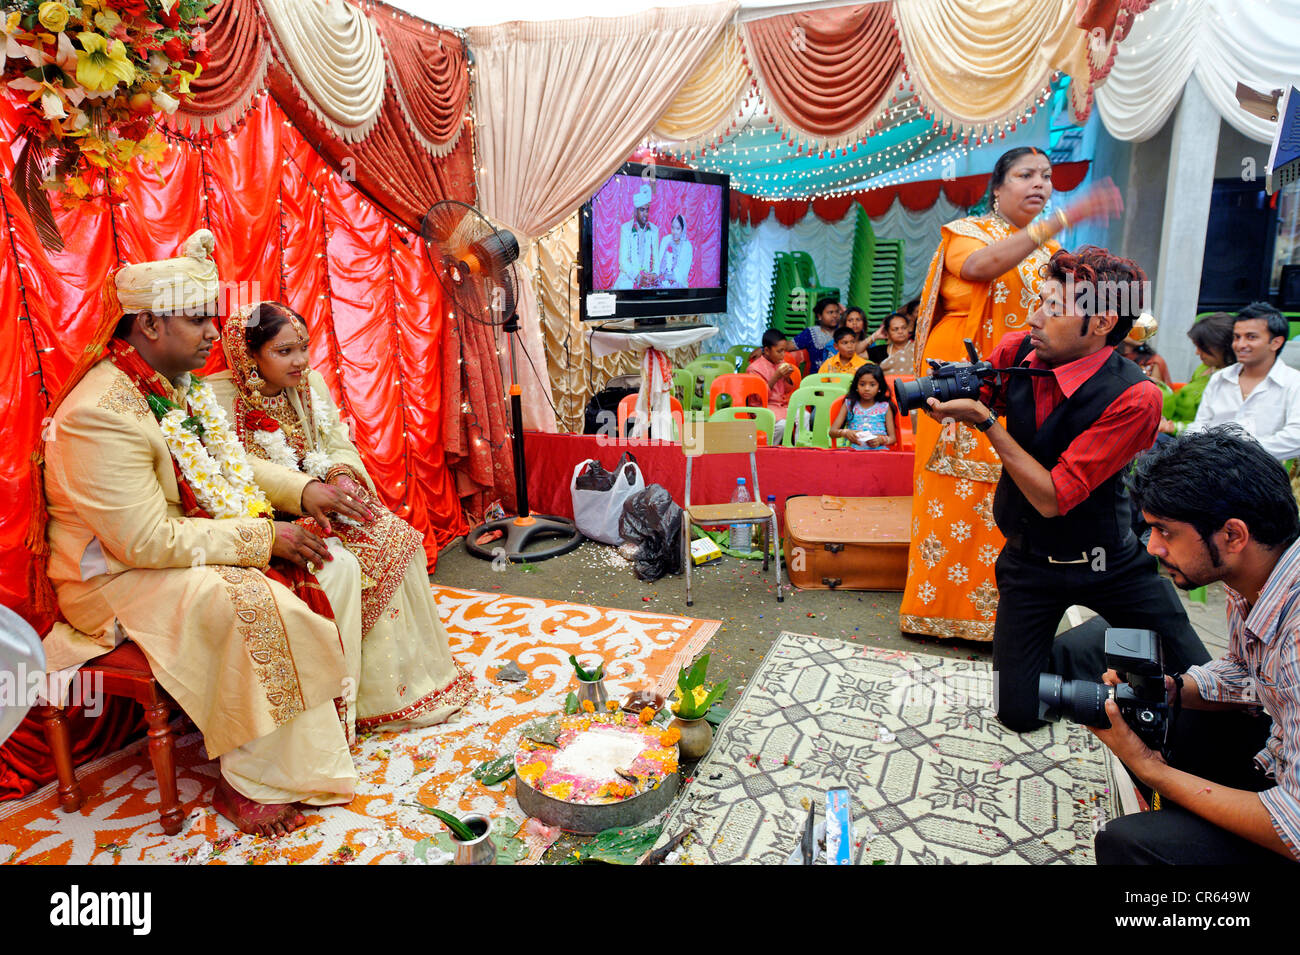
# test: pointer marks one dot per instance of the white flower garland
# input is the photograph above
(216, 467)
(276, 445)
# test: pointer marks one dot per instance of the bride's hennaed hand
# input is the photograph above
(320, 499)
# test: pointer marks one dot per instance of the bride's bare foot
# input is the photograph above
(255, 818)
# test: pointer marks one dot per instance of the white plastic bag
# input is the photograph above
(597, 512)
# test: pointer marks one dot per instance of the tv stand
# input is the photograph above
(653, 323)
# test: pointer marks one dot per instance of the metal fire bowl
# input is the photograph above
(587, 820)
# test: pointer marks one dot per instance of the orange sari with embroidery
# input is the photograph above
(950, 589)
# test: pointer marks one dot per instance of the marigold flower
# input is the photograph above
(588, 706)
(646, 715)
(611, 705)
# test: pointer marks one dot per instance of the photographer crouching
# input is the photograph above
(1221, 508)
(1077, 414)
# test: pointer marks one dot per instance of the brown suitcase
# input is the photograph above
(847, 543)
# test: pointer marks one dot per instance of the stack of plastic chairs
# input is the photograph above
(876, 275)
(795, 293)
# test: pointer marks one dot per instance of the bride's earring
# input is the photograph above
(255, 381)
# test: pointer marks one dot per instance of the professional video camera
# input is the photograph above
(947, 380)
(1143, 701)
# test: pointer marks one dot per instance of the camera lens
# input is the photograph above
(912, 394)
(1078, 701)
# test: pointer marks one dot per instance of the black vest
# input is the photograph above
(1103, 518)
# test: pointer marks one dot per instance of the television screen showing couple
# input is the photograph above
(653, 233)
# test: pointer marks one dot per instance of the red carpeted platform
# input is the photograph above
(784, 472)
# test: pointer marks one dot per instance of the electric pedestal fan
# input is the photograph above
(472, 260)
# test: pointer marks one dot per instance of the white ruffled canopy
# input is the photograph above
(1222, 42)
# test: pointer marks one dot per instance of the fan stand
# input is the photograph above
(527, 527)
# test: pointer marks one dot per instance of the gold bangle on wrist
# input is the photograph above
(1063, 219)
(1037, 232)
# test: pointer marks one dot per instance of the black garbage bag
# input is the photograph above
(594, 478)
(652, 519)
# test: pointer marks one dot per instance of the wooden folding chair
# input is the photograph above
(726, 437)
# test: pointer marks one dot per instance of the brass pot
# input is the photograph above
(697, 737)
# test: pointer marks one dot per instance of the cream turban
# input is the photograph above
(642, 197)
(171, 285)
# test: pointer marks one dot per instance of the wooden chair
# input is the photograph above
(124, 671)
(627, 410)
(739, 388)
(726, 437)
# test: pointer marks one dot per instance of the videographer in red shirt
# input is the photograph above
(1061, 501)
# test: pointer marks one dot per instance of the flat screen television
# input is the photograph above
(653, 244)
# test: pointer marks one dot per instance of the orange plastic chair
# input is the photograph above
(740, 387)
(902, 423)
(627, 407)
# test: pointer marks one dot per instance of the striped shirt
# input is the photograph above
(1262, 666)
(1125, 428)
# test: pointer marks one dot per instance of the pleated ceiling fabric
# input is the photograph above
(429, 72)
(827, 72)
(561, 104)
(979, 63)
(710, 100)
(1221, 42)
(335, 58)
(224, 91)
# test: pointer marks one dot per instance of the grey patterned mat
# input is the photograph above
(934, 777)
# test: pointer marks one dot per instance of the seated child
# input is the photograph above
(772, 367)
(846, 359)
(866, 419)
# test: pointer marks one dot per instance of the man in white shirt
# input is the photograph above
(1259, 392)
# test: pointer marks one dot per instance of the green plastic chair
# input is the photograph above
(684, 389)
(828, 380)
(721, 356)
(764, 418)
(822, 401)
(740, 355)
(704, 370)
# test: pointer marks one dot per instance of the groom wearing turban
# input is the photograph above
(638, 245)
(159, 534)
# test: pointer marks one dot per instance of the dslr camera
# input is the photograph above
(947, 380)
(1143, 701)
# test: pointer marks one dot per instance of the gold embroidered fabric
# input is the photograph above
(254, 543)
(265, 639)
(122, 397)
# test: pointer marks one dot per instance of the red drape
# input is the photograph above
(827, 70)
(428, 65)
(962, 191)
(288, 227)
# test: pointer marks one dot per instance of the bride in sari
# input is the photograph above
(283, 413)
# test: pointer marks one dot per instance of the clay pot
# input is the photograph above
(697, 737)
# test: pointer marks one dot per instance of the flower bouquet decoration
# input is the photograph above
(89, 78)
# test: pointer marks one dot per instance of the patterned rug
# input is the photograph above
(119, 822)
(934, 778)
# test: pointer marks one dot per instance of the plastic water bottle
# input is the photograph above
(740, 533)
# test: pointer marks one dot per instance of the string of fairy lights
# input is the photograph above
(906, 142)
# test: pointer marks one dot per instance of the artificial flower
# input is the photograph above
(259, 419)
(107, 20)
(165, 101)
(103, 63)
(132, 8)
(53, 16)
(175, 49)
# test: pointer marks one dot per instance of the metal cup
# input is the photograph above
(480, 850)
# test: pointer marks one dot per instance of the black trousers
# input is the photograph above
(1218, 746)
(1033, 595)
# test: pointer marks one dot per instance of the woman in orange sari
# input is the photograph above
(983, 283)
